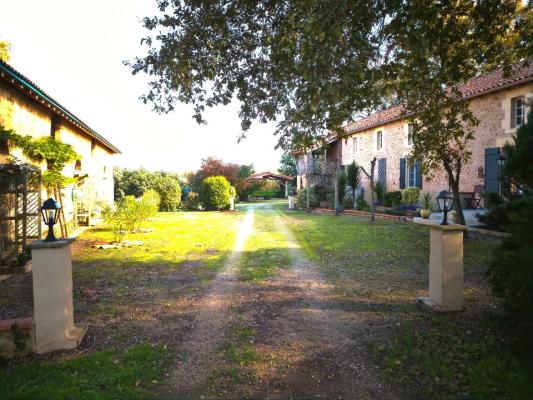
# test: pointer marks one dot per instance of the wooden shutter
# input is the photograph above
(492, 175)
(418, 177)
(402, 173)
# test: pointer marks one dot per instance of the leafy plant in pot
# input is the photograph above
(425, 212)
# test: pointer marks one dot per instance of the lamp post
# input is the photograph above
(445, 201)
(50, 213)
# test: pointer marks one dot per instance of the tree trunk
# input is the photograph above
(454, 184)
(457, 201)
(353, 198)
(336, 194)
(372, 191)
(308, 199)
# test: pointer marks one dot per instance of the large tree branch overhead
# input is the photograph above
(313, 65)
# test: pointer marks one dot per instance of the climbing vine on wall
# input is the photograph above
(55, 153)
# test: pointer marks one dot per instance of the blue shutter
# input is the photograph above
(492, 173)
(402, 173)
(418, 175)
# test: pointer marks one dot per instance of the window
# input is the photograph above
(411, 174)
(409, 134)
(354, 145)
(379, 140)
(518, 112)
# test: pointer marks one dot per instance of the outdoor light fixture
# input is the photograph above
(50, 212)
(445, 201)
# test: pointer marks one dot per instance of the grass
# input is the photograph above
(238, 354)
(446, 357)
(265, 251)
(177, 260)
(128, 295)
(383, 267)
(110, 374)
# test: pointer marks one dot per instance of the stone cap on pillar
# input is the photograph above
(437, 225)
(41, 244)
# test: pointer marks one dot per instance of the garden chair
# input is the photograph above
(474, 202)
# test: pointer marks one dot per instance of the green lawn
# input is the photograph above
(129, 296)
(107, 374)
(266, 250)
(138, 301)
(176, 261)
(380, 269)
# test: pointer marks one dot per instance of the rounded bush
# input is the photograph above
(215, 193)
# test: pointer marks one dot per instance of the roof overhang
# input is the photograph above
(19, 82)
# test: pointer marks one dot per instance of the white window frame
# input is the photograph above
(410, 167)
(409, 135)
(377, 141)
(515, 117)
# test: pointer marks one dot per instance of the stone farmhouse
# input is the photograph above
(29, 110)
(501, 105)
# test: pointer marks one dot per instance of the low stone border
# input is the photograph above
(359, 213)
(496, 234)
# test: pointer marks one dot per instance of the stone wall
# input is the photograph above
(26, 117)
(493, 112)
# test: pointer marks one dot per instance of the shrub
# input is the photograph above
(511, 276)
(169, 190)
(341, 186)
(192, 202)
(146, 207)
(362, 204)
(118, 219)
(320, 192)
(381, 191)
(136, 182)
(410, 195)
(301, 199)
(392, 198)
(511, 270)
(347, 202)
(215, 193)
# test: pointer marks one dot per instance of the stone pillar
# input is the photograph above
(52, 297)
(445, 268)
(292, 202)
(232, 203)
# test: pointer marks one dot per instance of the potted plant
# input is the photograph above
(425, 212)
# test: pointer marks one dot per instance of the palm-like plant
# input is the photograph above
(426, 201)
(353, 179)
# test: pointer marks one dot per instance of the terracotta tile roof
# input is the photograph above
(21, 83)
(475, 87)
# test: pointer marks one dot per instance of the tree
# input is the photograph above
(436, 47)
(312, 66)
(287, 165)
(137, 182)
(5, 48)
(353, 178)
(370, 177)
(211, 166)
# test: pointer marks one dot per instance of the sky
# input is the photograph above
(74, 50)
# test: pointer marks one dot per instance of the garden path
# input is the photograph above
(304, 345)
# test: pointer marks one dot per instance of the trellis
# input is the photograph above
(20, 200)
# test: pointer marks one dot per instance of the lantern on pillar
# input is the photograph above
(445, 201)
(50, 213)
